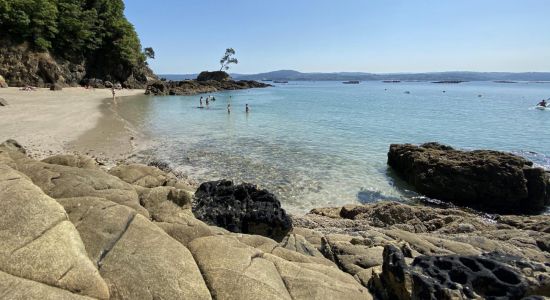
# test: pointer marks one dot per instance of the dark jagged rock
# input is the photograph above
(241, 208)
(3, 102)
(488, 180)
(216, 76)
(192, 87)
(56, 87)
(447, 277)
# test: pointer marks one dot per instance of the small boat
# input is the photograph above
(407, 92)
(391, 81)
(280, 81)
(540, 107)
(351, 82)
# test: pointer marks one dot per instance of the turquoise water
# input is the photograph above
(325, 143)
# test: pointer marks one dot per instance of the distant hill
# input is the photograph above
(291, 75)
(436, 76)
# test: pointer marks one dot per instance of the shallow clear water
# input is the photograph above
(325, 143)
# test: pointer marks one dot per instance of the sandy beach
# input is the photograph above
(72, 120)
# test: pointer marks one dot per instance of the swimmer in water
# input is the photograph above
(247, 109)
(229, 108)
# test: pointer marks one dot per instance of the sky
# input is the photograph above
(378, 36)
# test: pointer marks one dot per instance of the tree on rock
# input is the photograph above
(149, 52)
(228, 59)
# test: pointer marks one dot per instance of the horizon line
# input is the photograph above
(364, 72)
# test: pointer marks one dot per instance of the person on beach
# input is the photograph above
(247, 109)
(200, 102)
(542, 103)
(229, 108)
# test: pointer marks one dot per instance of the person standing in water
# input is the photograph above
(229, 108)
(247, 109)
(113, 92)
(200, 102)
(207, 102)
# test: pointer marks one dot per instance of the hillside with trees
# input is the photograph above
(70, 42)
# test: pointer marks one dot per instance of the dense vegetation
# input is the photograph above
(95, 31)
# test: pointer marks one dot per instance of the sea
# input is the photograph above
(317, 144)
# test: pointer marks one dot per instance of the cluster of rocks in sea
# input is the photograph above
(72, 229)
(206, 82)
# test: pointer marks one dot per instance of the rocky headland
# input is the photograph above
(206, 82)
(487, 180)
(75, 230)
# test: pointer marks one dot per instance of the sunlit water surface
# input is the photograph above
(325, 143)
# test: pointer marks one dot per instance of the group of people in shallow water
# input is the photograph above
(211, 98)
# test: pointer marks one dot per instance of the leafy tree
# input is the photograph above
(228, 59)
(95, 31)
(149, 52)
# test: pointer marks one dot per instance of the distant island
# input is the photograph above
(449, 81)
(292, 75)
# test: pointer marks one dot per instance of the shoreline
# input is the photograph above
(49, 122)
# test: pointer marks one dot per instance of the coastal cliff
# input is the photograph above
(74, 230)
(69, 43)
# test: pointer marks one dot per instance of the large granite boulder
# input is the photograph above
(39, 243)
(59, 181)
(216, 76)
(241, 208)
(144, 176)
(17, 288)
(78, 161)
(229, 265)
(3, 83)
(137, 259)
(488, 180)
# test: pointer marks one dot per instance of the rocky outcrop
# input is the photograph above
(488, 180)
(215, 76)
(3, 102)
(192, 87)
(241, 208)
(356, 237)
(95, 240)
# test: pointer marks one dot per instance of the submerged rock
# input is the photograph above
(488, 180)
(241, 208)
(3, 102)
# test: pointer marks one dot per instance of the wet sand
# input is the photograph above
(72, 120)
